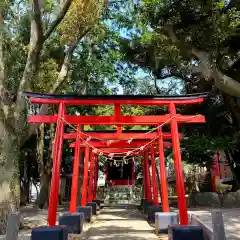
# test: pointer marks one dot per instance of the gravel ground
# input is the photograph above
(32, 217)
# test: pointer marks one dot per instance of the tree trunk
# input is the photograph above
(13, 114)
(44, 166)
(25, 192)
(44, 190)
(44, 185)
(25, 182)
(9, 174)
(207, 67)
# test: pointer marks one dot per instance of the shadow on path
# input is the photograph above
(120, 223)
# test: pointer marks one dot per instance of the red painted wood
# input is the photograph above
(123, 136)
(163, 175)
(144, 179)
(117, 114)
(75, 176)
(216, 169)
(123, 120)
(214, 187)
(218, 165)
(96, 177)
(119, 129)
(148, 187)
(85, 177)
(182, 205)
(154, 178)
(121, 182)
(121, 152)
(57, 158)
(90, 185)
(119, 121)
(120, 144)
(117, 110)
(115, 101)
(133, 173)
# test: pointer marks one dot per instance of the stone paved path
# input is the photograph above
(121, 222)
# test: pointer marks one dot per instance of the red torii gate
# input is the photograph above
(120, 148)
(120, 145)
(123, 135)
(172, 118)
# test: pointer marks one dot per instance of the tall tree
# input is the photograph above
(196, 42)
(45, 18)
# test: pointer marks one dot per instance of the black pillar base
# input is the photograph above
(178, 232)
(94, 207)
(50, 233)
(87, 212)
(151, 212)
(74, 222)
(146, 204)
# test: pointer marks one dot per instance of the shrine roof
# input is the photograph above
(73, 96)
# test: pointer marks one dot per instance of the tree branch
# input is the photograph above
(209, 70)
(175, 72)
(6, 98)
(35, 47)
(37, 17)
(67, 60)
(177, 75)
(36, 43)
(58, 19)
(62, 76)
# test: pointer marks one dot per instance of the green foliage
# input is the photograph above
(200, 149)
(105, 60)
(213, 28)
(81, 16)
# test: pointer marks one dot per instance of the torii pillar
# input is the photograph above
(57, 158)
(148, 181)
(154, 177)
(96, 177)
(163, 175)
(75, 177)
(182, 205)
